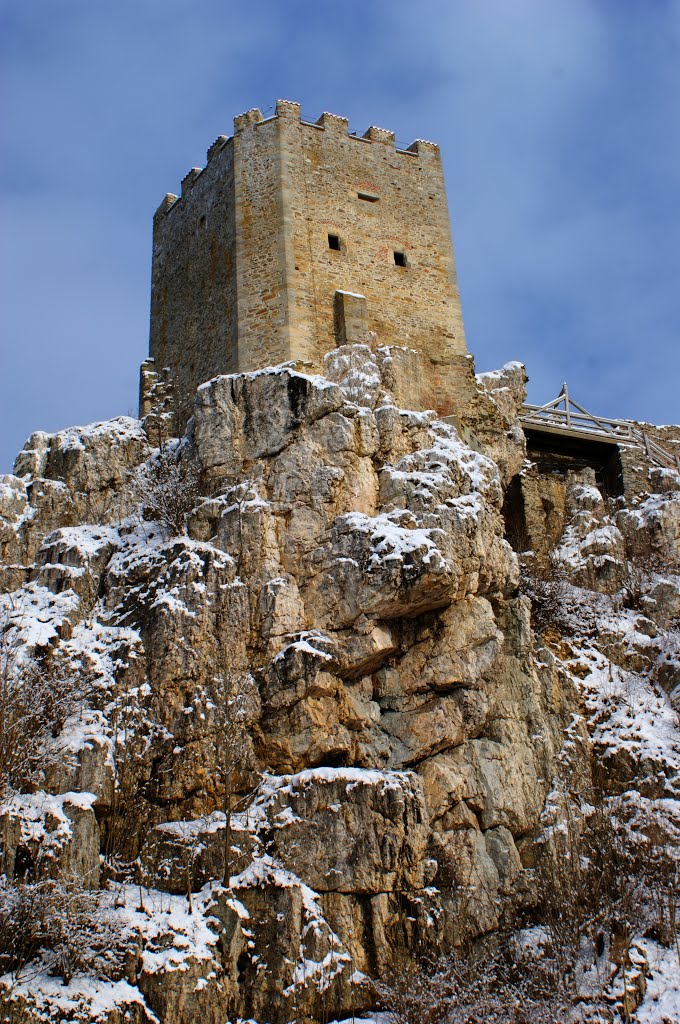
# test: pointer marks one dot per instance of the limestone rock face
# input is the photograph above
(495, 421)
(246, 417)
(345, 564)
(347, 830)
(75, 477)
(93, 462)
(51, 837)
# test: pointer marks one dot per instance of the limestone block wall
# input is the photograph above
(193, 282)
(377, 201)
(261, 244)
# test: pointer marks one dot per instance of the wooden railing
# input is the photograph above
(564, 414)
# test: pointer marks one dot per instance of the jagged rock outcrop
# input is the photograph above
(349, 558)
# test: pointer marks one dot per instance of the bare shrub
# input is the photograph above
(418, 992)
(58, 927)
(37, 695)
(592, 902)
(233, 705)
(661, 880)
(167, 488)
(546, 586)
(159, 404)
(637, 575)
(132, 741)
(640, 573)
(491, 981)
(579, 964)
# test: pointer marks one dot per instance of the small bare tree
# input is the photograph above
(661, 879)
(167, 488)
(233, 706)
(131, 741)
(545, 584)
(488, 981)
(58, 926)
(37, 695)
(591, 885)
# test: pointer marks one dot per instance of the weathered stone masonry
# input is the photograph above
(250, 263)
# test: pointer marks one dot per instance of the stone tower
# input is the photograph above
(296, 237)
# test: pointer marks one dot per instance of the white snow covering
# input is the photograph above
(376, 1018)
(273, 787)
(37, 614)
(321, 973)
(194, 827)
(87, 541)
(43, 819)
(170, 937)
(511, 367)
(113, 430)
(48, 996)
(413, 417)
(392, 542)
(306, 643)
(628, 713)
(446, 478)
(148, 555)
(282, 370)
(173, 937)
(662, 998)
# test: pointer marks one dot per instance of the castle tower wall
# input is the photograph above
(194, 328)
(378, 201)
(262, 243)
(248, 261)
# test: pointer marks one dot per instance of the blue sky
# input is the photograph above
(560, 130)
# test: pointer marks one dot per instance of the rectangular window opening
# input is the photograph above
(400, 259)
(368, 197)
(334, 242)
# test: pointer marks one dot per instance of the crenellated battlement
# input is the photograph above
(190, 178)
(220, 142)
(257, 260)
(290, 111)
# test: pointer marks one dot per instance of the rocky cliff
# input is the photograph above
(305, 726)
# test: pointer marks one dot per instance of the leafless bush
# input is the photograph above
(592, 902)
(132, 741)
(491, 981)
(233, 705)
(547, 588)
(167, 488)
(37, 695)
(59, 927)
(661, 881)
(590, 883)
(637, 575)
